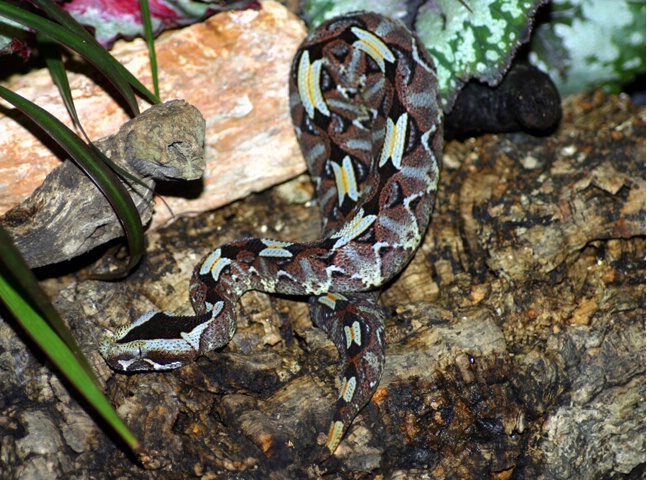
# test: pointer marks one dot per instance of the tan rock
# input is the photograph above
(234, 67)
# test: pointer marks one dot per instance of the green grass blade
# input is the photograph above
(51, 52)
(89, 49)
(27, 311)
(150, 43)
(24, 278)
(56, 13)
(79, 43)
(88, 160)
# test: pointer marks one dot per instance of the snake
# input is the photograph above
(364, 101)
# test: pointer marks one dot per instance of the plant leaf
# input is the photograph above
(23, 278)
(51, 52)
(55, 12)
(477, 42)
(23, 296)
(150, 43)
(81, 43)
(591, 44)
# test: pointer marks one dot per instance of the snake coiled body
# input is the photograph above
(365, 107)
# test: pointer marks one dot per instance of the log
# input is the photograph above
(515, 346)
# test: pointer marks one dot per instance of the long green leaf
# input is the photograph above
(89, 160)
(91, 50)
(56, 13)
(150, 43)
(17, 288)
(51, 52)
(18, 268)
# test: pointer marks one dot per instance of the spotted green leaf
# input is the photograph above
(478, 42)
(467, 38)
(318, 11)
(591, 43)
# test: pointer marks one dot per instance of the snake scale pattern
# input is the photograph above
(365, 107)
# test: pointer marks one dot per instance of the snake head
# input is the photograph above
(156, 341)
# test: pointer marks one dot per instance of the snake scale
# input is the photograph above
(364, 102)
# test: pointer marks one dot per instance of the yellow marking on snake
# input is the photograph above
(348, 389)
(353, 334)
(308, 83)
(353, 229)
(345, 180)
(373, 46)
(394, 138)
(275, 249)
(214, 263)
(334, 435)
(330, 300)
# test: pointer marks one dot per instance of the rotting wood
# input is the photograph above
(496, 368)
